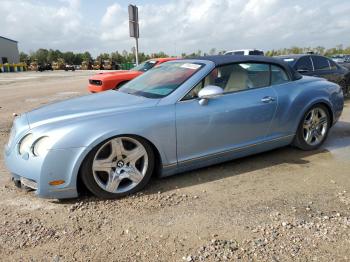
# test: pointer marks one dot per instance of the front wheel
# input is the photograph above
(117, 167)
(313, 128)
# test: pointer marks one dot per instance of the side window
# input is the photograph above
(332, 64)
(320, 63)
(304, 63)
(278, 75)
(235, 77)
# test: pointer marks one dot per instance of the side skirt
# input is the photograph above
(225, 156)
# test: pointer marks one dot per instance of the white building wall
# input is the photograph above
(9, 50)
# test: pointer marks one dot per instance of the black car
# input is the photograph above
(320, 66)
(44, 67)
(68, 67)
(345, 62)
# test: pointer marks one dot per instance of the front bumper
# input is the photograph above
(38, 172)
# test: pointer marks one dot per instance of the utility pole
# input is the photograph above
(134, 28)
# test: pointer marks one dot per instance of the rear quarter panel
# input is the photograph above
(296, 97)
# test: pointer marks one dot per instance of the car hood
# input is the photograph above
(88, 106)
(121, 74)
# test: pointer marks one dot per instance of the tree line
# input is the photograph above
(337, 50)
(49, 56)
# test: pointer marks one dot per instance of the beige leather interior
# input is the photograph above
(238, 80)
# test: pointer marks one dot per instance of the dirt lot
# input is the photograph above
(278, 206)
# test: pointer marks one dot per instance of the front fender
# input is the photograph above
(155, 124)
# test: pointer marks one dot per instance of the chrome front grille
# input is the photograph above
(29, 183)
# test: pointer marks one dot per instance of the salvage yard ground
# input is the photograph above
(278, 206)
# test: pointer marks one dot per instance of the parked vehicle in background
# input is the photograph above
(69, 67)
(338, 58)
(245, 52)
(86, 65)
(59, 64)
(44, 67)
(181, 115)
(96, 65)
(320, 66)
(33, 66)
(343, 60)
(112, 80)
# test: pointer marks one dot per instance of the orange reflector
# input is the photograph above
(56, 182)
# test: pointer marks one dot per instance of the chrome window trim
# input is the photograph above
(232, 92)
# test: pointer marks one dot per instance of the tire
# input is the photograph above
(311, 134)
(114, 168)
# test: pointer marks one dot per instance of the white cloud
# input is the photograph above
(177, 26)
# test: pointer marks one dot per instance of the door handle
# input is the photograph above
(268, 99)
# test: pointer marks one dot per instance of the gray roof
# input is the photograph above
(8, 39)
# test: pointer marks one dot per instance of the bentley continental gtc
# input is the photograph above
(179, 116)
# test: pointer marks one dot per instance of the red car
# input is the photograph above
(113, 80)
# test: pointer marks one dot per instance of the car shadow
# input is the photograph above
(339, 137)
(241, 166)
(237, 167)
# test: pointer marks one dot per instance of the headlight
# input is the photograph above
(40, 146)
(25, 144)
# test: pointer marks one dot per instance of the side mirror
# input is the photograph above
(209, 92)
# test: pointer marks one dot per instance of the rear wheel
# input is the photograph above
(313, 128)
(117, 167)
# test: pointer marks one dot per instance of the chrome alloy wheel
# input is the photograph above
(315, 126)
(120, 164)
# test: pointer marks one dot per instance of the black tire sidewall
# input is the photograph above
(89, 181)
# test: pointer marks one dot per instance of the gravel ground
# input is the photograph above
(283, 205)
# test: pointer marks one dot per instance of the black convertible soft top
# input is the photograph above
(220, 60)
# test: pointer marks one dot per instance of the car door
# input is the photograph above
(240, 117)
(322, 67)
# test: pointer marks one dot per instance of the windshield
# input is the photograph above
(162, 80)
(145, 66)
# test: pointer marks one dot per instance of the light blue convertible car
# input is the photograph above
(182, 115)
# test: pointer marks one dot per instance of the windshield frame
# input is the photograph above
(150, 95)
(143, 64)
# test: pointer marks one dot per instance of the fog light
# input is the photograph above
(56, 182)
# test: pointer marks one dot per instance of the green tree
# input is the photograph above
(68, 57)
(23, 57)
(41, 55)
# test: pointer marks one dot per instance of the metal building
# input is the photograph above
(8, 51)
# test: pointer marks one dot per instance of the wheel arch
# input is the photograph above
(79, 183)
(323, 102)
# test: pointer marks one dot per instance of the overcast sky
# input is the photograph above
(175, 26)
